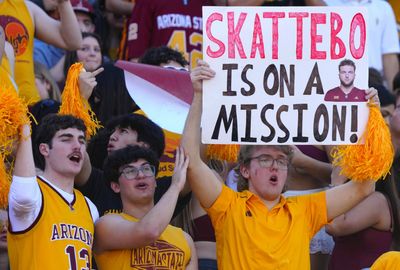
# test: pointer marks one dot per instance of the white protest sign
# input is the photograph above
(274, 66)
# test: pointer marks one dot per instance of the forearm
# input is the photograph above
(390, 68)
(191, 135)
(69, 27)
(120, 7)
(57, 71)
(344, 197)
(24, 164)
(158, 218)
(333, 228)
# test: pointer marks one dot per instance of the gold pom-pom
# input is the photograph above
(13, 114)
(74, 104)
(371, 160)
(227, 152)
(5, 182)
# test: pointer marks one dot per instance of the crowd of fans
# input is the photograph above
(135, 216)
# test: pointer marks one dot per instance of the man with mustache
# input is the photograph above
(45, 211)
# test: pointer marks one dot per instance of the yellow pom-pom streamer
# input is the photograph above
(13, 114)
(227, 152)
(371, 160)
(74, 104)
(5, 181)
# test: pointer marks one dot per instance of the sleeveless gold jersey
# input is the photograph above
(19, 30)
(170, 251)
(60, 238)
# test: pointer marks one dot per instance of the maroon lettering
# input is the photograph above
(75, 230)
(54, 235)
(64, 231)
(89, 238)
(82, 234)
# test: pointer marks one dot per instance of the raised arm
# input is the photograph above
(342, 198)
(87, 82)
(24, 163)
(24, 197)
(120, 7)
(113, 232)
(373, 211)
(65, 33)
(203, 182)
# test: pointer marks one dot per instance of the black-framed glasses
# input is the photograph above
(267, 161)
(131, 172)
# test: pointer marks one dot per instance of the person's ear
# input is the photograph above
(44, 149)
(244, 171)
(115, 187)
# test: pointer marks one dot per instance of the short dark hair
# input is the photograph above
(46, 130)
(147, 131)
(124, 156)
(42, 108)
(162, 55)
(347, 62)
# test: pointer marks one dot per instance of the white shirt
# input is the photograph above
(25, 202)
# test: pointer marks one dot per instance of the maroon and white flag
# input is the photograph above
(163, 94)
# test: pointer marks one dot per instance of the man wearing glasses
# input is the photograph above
(346, 91)
(140, 237)
(257, 228)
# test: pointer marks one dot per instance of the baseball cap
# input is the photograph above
(82, 6)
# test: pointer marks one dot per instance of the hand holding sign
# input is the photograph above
(371, 94)
(200, 73)
(271, 78)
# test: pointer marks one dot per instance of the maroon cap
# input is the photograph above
(83, 6)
